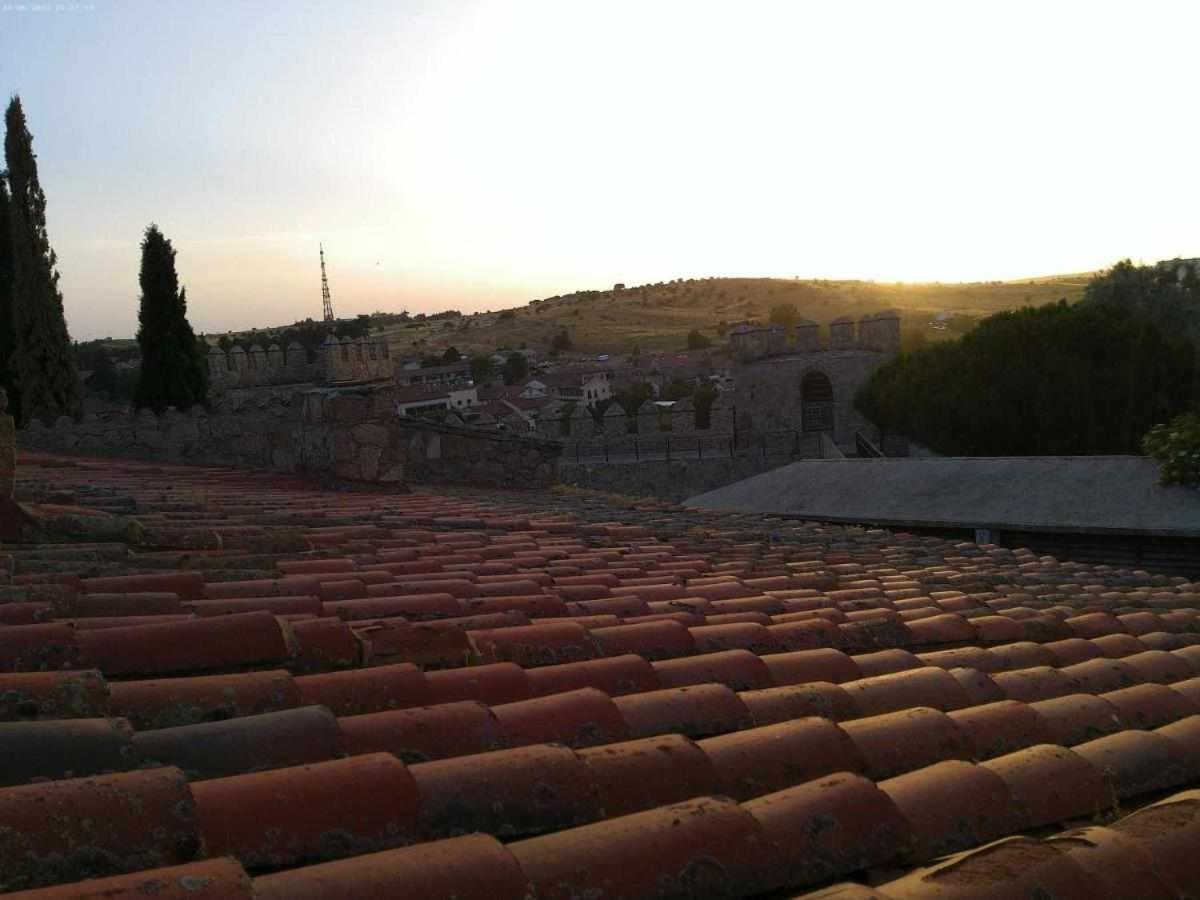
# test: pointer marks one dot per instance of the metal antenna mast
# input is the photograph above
(326, 300)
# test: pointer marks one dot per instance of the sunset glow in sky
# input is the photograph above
(478, 154)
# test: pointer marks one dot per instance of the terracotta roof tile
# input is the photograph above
(309, 813)
(1053, 784)
(508, 793)
(1168, 832)
(795, 701)
(473, 867)
(696, 711)
(485, 630)
(830, 827)
(929, 686)
(64, 748)
(357, 691)
(738, 669)
(1137, 762)
(425, 733)
(636, 775)
(232, 746)
(1013, 867)
(770, 758)
(903, 741)
(1077, 718)
(211, 879)
(708, 847)
(87, 827)
(953, 805)
(52, 695)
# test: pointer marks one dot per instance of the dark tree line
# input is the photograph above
(1086, 379)
(37, 366)
(174, 368)
(309, 334)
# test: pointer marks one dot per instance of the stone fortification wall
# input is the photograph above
(878, 332)
(675, 479)
(331, 434)
(337, 361)
(355, 436)
(254, 431)
(769, 396)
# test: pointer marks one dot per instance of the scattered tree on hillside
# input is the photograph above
(6, 295)
(43, 367)
(703, 398)
(174, 367)
(451, 356)
(697, 341)
(784, 314)
(515, 368)
(632, 397)
(677, 389)
(1056, 379)
(103, 377)
(561, 342)
(483, 370)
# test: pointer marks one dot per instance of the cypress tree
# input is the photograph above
(42, 364)
(6, 288)
(174, 367)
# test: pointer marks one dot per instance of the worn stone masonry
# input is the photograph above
(331, 434)
(13, 518)
(674, 479)
(8, 449)
(256, 430)
(355, 436)
(338, 361)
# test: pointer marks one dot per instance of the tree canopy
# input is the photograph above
(174, 365)
(1168, 294)
(785, 314)
(6, 295)
(633, 396)
(515, 368)
(1057, 379)
(483, 369)
(42, 365)
(560, 342)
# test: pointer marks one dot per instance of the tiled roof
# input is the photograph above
(289, 693)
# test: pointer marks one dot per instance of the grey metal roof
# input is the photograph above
(1117, 494)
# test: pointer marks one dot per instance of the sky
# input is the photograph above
(477, 154)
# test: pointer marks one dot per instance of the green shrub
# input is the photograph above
(1051, 380)
(1176, 446)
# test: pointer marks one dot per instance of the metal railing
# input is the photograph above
(865, 447)
(791, 444)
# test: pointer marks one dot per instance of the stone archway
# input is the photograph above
(816, 402)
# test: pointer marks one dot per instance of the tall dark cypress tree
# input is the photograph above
(174, 368)
(42, 363)
(6, 299)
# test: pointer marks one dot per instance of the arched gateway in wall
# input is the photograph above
(816, 402)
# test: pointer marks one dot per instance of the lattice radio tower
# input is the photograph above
(326, 300)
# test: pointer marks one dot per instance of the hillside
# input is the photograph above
(658, 316)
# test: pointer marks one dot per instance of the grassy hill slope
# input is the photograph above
(658, 317)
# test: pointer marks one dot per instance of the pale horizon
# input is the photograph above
(479, 155)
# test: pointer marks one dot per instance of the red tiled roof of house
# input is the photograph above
(283, 692)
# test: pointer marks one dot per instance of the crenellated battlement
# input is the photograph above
(876, 332)
(338, 361)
